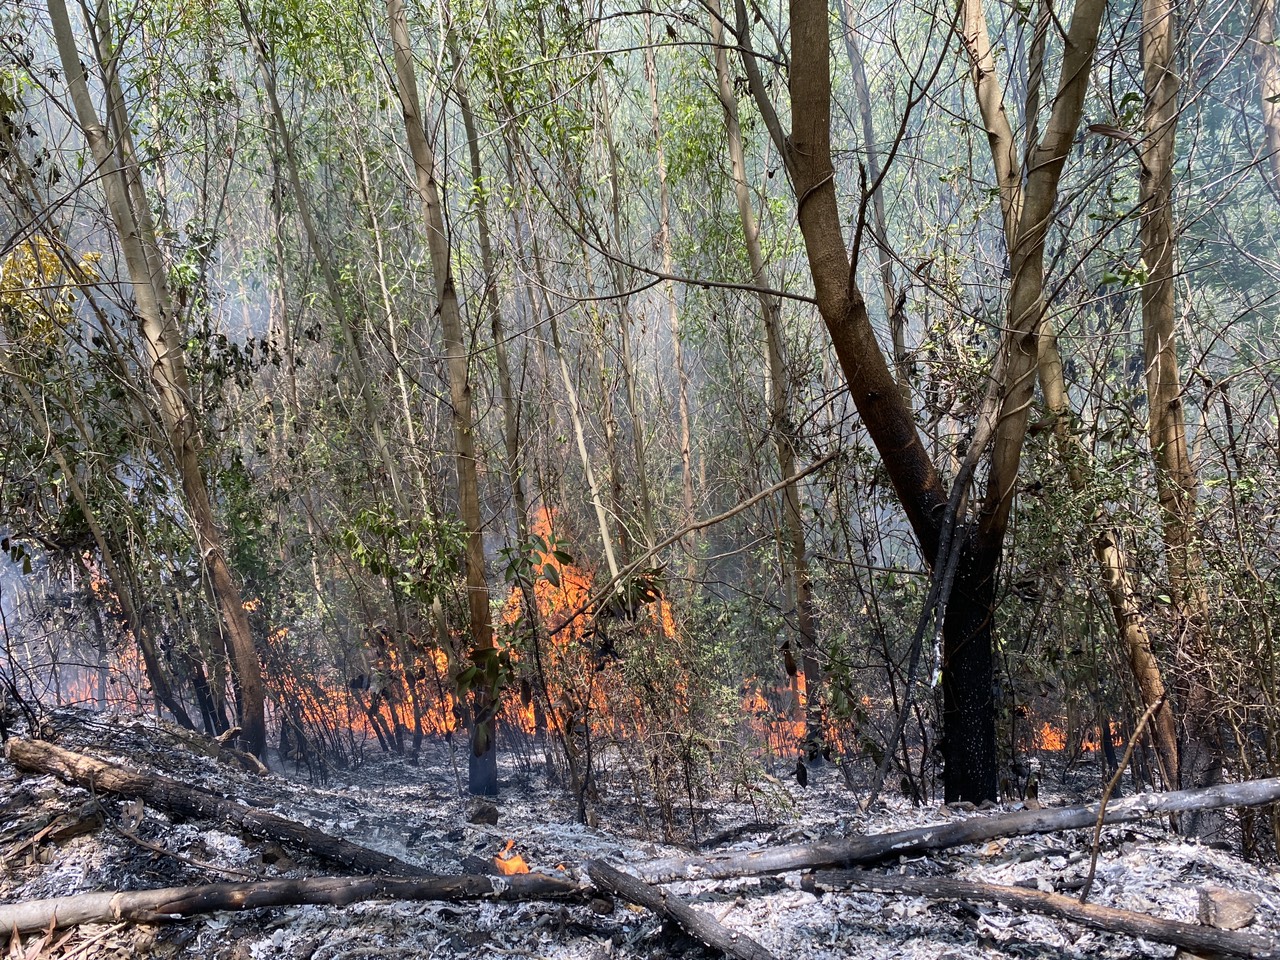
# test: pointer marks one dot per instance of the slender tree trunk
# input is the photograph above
(1167, 428)
(1266, 61)
(1113, 569)
(510, 412)
(510, 403)
(389, 317)
(623, 303)
(894, 311)
(1115, 579)
(798, 587)
(131, 217)
(607, 379)
(156, 672)
(561, 714)
(483, 768)
(575, 416)
(353, 342)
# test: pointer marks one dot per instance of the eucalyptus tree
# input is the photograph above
(965, 553)
(483, 767)
(130, 210)
(798, 586)
(1010, 174)
(1176, 479)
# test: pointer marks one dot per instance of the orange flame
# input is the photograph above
(509, 863)
(1052, 737)
(1049, 737)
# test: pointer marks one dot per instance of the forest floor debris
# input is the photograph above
(57, 840)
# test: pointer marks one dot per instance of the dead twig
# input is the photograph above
(1106, 794)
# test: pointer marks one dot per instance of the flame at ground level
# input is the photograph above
(510, 863)
(1052, 737)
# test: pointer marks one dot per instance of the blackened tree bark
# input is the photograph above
(969, 700)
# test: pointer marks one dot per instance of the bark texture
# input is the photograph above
(158, 321)
(483, 758)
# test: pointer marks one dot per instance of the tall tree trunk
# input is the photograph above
(607, 379)
(798, 587)
(894, 311)
(483, 766)
(510, 403)
(1167, 426)
(131, 217)
(1116, 582)
(623, 303)
(969, 706)
(1266, 62)
(352, 340)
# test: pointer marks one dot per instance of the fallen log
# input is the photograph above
(695, 922)
(176, 903)
(878, 847)
(1188, 936)
(39, 756)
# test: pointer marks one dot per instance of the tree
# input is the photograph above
(969, 697)
(483, 764)
(1167, 427)
(131, 218)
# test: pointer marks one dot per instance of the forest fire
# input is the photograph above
(1053, 738)
(775, 716)
(570, 671)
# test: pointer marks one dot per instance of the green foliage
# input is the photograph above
(418, 558)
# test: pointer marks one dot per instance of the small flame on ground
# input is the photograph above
(509, 863)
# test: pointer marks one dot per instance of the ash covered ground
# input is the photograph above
(414, 811)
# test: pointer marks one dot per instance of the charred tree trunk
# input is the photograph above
(1009, 175)
(968, 669)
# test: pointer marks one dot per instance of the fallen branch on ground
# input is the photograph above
(695, 922)
(175, 903)
(38, 756)
(1188, 936)
(878, 847)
